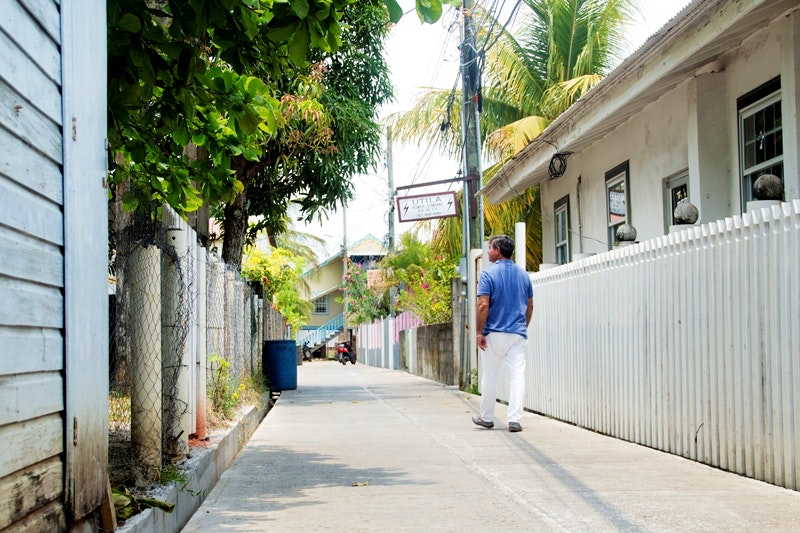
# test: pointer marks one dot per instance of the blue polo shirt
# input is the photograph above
(508, 288)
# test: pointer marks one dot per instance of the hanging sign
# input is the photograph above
(426, 206)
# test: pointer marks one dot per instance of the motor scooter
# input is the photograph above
(345, 353)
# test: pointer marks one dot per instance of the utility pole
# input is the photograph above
(473, 207)
(344, 261)
(470, 128)
(390, 174)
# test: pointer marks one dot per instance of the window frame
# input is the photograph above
(316, 301)
(757, 101)
(562, 206)
(681, 179)
(618, 174)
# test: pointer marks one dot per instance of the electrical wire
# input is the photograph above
(424, 162)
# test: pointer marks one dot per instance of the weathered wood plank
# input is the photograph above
(29, 489)
(108, 514)
(30, 214)
(30, 442)
(32, 38)
(47, 14)
(27, 396)
(24, 350)
(48, 518)
(85, 278)
(33, 260)
(28, 168)
(29, 80)
(25, 304)
(29, 124)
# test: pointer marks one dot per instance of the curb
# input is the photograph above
(203, 471)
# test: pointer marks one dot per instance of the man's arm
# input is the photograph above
(481, 314)
(529, 312)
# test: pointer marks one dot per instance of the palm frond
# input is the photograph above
(515, 136)
(561, 96)
(434, 118)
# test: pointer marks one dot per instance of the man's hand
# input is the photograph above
(481, 342)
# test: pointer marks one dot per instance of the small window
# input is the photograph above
(561, 215)
(321, 305)
(617, 200)
(760, 136)
(676, 192)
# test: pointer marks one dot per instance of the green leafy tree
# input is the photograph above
(218, 102)
(280, 274)
(181, 75)
(559, 50)
(312, 160)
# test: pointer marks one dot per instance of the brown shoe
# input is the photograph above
(513, 427)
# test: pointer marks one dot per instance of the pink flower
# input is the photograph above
(425, 286)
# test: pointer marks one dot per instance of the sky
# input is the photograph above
(420, 56)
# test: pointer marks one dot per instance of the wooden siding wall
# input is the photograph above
(32, 388)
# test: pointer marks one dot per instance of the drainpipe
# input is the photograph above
(580, 218)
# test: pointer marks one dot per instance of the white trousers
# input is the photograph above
(510, 348)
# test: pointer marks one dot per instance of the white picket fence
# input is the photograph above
(688, 343)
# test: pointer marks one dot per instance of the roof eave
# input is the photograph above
(688, 44)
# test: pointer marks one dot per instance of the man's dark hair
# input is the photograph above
(504, 243)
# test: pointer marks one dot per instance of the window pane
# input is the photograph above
(769, 118)
(769, 147)
(616, 203)
(680, 194)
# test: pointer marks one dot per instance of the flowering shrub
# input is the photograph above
(427, 290)
(365, 304)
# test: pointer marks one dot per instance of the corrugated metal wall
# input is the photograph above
(688, 343)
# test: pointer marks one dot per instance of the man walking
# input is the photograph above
(505, 306)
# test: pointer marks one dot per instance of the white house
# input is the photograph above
(705, 106)
(687, 341)
(53, 265)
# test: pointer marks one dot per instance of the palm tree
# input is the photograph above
(559, 50)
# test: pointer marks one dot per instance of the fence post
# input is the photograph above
(200, 355)
(230, 320)
(175, 362)
(145, 334)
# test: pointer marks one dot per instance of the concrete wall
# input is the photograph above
(428, 351)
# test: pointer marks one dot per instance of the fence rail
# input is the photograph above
(688, 343)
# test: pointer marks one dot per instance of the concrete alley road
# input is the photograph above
(356, 448)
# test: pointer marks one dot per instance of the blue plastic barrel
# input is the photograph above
(280, 365)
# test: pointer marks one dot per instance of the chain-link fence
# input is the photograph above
(177, 314)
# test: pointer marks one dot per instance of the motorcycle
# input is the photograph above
(306, 351)
(345, 353)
